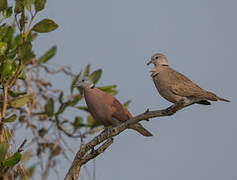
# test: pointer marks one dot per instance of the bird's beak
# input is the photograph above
(149, 62)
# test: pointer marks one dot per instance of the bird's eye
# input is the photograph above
(156, 57)
(83, 80)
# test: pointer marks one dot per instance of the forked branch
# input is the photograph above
(82, 156)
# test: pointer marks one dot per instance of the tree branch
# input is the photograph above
(94, 153)
(82, 156)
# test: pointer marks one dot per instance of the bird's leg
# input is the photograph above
(176, 106)
(170, 108)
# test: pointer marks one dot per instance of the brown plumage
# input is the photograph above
(174, 86)
(106, 109)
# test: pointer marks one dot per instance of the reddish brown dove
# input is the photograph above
(105, 108)
(174, 86)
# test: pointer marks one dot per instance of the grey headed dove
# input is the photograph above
(105, 108)
(174, 86)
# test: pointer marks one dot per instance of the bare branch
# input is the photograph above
(82, 156)
(95, 153)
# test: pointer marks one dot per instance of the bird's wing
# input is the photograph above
(182, 86)
(119, 111)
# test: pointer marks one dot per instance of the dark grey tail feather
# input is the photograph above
(139, 128)
(203, 102)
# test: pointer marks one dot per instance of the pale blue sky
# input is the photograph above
(199, 38)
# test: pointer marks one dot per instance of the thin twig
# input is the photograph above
(21, 148)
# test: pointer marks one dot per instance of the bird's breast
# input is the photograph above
(97, 107)
(163, 86)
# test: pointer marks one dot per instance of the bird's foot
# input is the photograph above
(170, 109)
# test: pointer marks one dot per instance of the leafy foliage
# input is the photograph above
(29, 101)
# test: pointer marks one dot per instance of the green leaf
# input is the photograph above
(22, 73)
(44, 26)
(87, 70)
(15, 94)
(18, 40)
(7, 12)
(12, 118)
(49, 107)
(3, 150)
(11, 54)
(109, 89)
(74, 81)
(126, 104)
(39, 5)
(78, 122)
(13, 160)
(19, 101)
(7, 68)
(95, 76)
(8, 36)
(113, 92)
(28, 4)
(84, 108)
(25, 51)
(80, 89)
(19, 6)
(3, 4)
(62, 108)
(60, 98)
(32, 36)
(3, 48)
(75, 100)
(48, 55)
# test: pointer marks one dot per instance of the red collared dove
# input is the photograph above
(174, 86)
(105, 108)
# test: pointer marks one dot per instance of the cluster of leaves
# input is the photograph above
(16, 54)
(28, 99)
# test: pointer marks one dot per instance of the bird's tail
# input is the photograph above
(211, 96)
(222, 99)
(139, 128)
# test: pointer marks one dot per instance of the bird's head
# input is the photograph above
(85, 82)
(158, 59)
